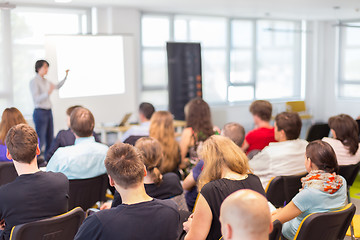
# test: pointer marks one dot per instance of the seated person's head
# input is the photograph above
(345, 128)
(261, 111)
(22, 144)
(220, 153)
(125, 166)
(10, 117)
(152, 153)
(321, 156)
(235, 132)
(82, 122)
(146, 110)
(245, 214)
(287, 126)
(68, 113)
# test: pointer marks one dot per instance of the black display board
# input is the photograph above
(184, 71)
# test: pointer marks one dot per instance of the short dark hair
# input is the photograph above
(235, 132)
(71, 109)
(39, 64)
(262, 109)
(147, 109)
(22, 141)
(290, 122)
(124, 164)
(82, 122)
(323, 156)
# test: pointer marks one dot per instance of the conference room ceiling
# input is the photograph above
(302, 9)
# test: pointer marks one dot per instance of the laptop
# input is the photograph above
(125, 119)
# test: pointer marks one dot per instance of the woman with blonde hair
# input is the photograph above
(10, 117)
(226, 170)
(162, 129)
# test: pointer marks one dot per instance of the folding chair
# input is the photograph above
(7, 172)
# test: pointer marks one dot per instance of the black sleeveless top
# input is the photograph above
(215, 193)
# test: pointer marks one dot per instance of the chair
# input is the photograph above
(62, 227)
(358, 122)
(299, 107)
(85, 193)
(276, 232)
(132, 139)
(329, 225)
(280, 190)
(252, 153)
(318, 131)
(7, 172)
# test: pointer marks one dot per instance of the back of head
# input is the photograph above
(346, 130)
(262, 109)
(323, 156)
(10, 117)
(198, 117)
(219, 152)
(82, 122)
(21, 142)
(247, 213)
(290, 122)
(235, 132)
(151, 151)
(124, 164)
(71, 109)
(162, 129)
(146, 109)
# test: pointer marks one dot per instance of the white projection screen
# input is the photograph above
(96, 65)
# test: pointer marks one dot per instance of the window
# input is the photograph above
(349, 77)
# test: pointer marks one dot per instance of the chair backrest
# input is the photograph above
(318, 131)
(282, 189)
(85, 193)
(349, 172)
(62, 227)
(276, 232)
(7, 172)
(252, 153)
(329, 225)
(132, 139)
(295, 106)
(358, 122)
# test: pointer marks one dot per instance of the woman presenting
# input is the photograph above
(41, 90)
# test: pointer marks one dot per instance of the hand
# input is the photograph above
(51, 89)
(2, 224)
(67, 71)
(106, 205)
(187, 224)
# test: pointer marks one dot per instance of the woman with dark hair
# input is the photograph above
(345, 141)
(322, 189)
(10, 117)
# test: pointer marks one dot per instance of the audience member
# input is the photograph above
(162, 129)
(322, 189)
(345, 141)
(34, 194)
(198, 128)
(139, 216)
(85, 159)
(263, 133)
(65, 137)
(235, 132)
(245, 214)
(284, 157)
(146, 111)
(10, 117)
(226, 170)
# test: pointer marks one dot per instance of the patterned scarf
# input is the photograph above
(319, 179)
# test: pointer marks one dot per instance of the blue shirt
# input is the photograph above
(83, 160)
(140, 130)
(312, 200)
(3, 157)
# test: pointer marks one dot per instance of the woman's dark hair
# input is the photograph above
(346, 130)
(39, 64)
(198, 117)
(323, 156)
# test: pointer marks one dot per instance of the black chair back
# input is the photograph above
(282, 189)
(349, 172)
(7, 172)
(329, 225)
(85, 193)
(132, 139)
(276, 232)
(318, 131)
(62, 227)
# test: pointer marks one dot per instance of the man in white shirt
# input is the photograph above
(146, 110)
(285, 157)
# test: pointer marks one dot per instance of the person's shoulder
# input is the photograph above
(100, 146)
(55, 176)
(166, 204)
(170, 176)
